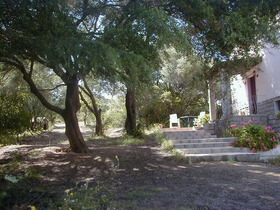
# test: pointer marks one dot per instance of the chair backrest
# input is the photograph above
(173, 117)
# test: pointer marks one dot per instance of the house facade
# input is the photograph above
(257, 93)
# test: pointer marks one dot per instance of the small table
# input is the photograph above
(189, 120)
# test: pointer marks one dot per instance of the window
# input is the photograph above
(277, 106)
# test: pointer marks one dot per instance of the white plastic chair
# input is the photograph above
(174, 121)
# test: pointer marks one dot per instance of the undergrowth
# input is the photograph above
(167, 145)
(275, 161)
(10, 139)
(126, 141)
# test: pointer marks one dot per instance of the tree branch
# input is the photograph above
(86, 103)
(33, 88)
(51, 89)
(31, 68)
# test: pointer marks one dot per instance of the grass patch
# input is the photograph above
(34, 154)
(167, 144)
(85, 197)
(16, 192)
(13, 165)
(126, 141)
(8, 140)
(142, 193)
(34, 172)
(275, 161)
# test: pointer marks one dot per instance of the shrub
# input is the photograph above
(200, 120)
(84, 197)
(275, 161)
(254, 136)
(14, 116)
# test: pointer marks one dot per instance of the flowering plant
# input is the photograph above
(200, 120)
(254, 136)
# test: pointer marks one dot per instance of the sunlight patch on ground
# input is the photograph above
(264, 173)
(257, 166)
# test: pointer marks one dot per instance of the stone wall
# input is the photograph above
(268, 108)
(219, 127)
(266, 116)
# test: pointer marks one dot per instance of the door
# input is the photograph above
(252, 95)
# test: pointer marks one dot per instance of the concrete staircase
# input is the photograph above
(202, 146)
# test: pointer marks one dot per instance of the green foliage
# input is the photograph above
(202, 120)
(126, 141)
(142, 193)
(205, 119)
(18, 193)
(181, 89)
(34, 172)
(84, 197)
(6, 139)
(167, 145)
(229, 28)
(14, 116)
(254, 136)
(275, 161)
(164, 142)
(138, 39)
(114, 116)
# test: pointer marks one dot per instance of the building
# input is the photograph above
(257, 93)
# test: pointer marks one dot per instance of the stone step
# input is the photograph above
(202, 145)
(236, 156)
(188, 135)
(203, 140)
(209, 150)
(175, 129)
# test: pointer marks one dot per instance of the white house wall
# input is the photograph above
(267, 80)
(239, 96)
(268, 75)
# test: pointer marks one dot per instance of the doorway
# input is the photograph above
(252, 93)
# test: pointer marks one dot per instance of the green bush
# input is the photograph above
(8, 139)
(126, 141)
(14, 116)
(84, 197)
(199, 121)
(254, 136)
(275, 161)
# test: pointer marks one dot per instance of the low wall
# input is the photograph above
(219, 127)
(268, 108)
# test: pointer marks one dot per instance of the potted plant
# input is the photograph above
(200, 120)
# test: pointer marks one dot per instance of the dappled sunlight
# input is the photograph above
(125, 168)
(257, 166)
(265, 173)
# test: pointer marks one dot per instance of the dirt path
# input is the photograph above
(147, 178)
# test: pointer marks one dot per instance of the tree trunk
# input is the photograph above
(130, 104)
(212, 99)
(226, 94)
(72, 105)
(99, 126)
(94, 109)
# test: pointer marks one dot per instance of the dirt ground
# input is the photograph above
(145, 177)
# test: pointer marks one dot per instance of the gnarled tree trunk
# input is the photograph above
(130, 104)
(69, 113)
(93, 108)
(72, 105)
